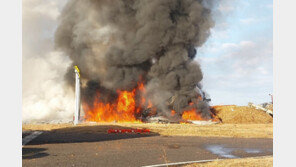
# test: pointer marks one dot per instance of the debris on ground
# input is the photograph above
(157, 119)
(262, 107)
(209, 122)
(128, 131)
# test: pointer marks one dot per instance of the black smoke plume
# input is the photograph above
(116, 43)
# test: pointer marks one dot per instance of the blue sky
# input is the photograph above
(237, 59)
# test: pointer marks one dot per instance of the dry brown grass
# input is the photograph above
(217, 130)
(233, 114)
(245, 162)
(238, 121)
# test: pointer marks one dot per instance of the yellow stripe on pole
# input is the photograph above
(77, 69)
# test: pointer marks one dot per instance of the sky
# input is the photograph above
(237, 59)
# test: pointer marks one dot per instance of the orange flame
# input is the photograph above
(125, 108)
(173, 112)
(191, 114)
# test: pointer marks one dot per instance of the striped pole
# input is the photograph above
(77, 96)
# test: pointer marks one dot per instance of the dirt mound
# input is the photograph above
(241, 115)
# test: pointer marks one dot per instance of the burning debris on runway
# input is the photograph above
(137, 58)
(128, 131)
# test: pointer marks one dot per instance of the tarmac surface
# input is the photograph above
(66, 148)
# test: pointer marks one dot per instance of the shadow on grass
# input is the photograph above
(81, 134)
(32, 153)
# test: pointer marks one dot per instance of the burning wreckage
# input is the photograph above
(130, 106)
(137, 58)
(187, 116)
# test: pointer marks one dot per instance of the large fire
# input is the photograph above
(191, 114)
(124, 109)
(127, 109)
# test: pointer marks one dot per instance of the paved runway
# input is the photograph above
(60, 148)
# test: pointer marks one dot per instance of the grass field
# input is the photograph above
(216, 130)
(244, 162)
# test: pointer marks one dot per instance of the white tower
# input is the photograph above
(77, 96)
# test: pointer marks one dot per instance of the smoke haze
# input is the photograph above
(45, 94)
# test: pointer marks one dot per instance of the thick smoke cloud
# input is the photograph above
(120, 42)
(45, 95)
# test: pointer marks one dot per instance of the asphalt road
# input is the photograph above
(60, 148)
